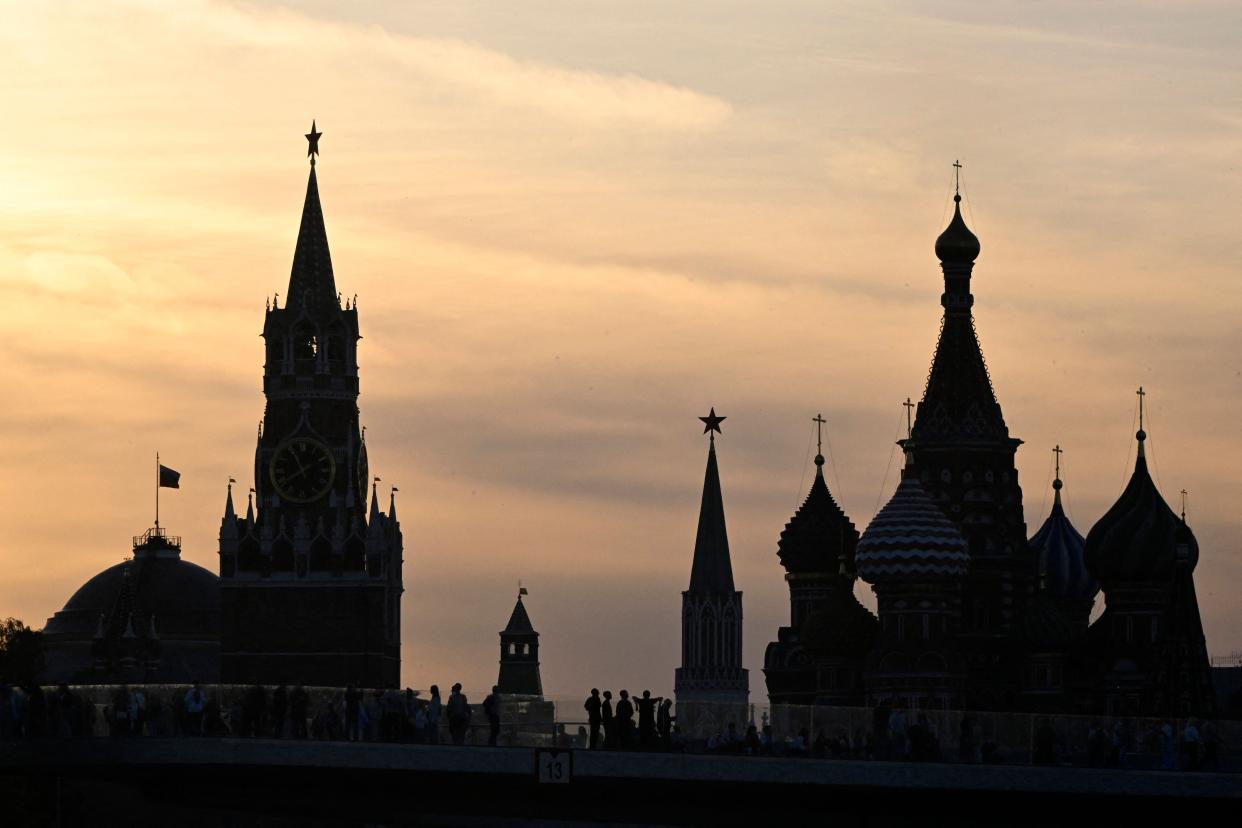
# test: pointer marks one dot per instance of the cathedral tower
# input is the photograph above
(711, 609)
(818, 658)
(310, 578)
(1148, 646)
(963, 456)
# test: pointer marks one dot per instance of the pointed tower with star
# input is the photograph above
(310, 579)
(711, 609)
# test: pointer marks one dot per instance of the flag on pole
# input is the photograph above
(169, 479)
(523, 591)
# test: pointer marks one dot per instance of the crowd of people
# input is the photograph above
(283, 712)
(645, 723)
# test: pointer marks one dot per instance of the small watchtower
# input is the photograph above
(519, 654)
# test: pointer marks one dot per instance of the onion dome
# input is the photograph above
(1140, 538)
(911, 538)
(1059, 549)
(957, 244)
(819, 537)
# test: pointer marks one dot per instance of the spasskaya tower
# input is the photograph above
(310, 576)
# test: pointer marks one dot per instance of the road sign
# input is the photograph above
(554, 767)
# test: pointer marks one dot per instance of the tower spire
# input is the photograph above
(312, 286)
(712, 571)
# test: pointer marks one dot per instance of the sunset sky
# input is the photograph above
(572, 227)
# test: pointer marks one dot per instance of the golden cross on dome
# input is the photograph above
(819, 421)
(1184, 505)
(909, 418)
(957, 176)
(1057, 451)
(1141, 393)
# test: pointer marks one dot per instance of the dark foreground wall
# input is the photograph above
(217, 782)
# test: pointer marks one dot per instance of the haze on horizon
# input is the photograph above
(574, 227)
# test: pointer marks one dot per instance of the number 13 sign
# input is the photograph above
(554, 766)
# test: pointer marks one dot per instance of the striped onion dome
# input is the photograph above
(910, 537)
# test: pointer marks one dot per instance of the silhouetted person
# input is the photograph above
(353, 711)
(491, 708)
(433, 716)
(298, 702)
(752, 740)
(624, 720)
(608, 722)
(1192, 745)
(458, 711)
(646, 720)
(880, 741)
(121, 724)
(195, 702)
(252, 711)
(594, 716)
(1211, 748)
(664, 723)
(280, 702)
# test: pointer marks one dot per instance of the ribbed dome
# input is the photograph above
(957, 245)
(1138, 538)
(1059, 550)
(819, 537)
(911, 537)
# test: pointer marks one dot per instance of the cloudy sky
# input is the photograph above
(574, 226)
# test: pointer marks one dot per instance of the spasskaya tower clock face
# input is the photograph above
(302, 470)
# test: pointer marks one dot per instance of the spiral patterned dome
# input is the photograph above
(911, 538)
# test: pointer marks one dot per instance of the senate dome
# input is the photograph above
(153, 618)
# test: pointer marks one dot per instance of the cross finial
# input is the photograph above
(312, 140)
(1141, 393)
(909, 418)
(819, 421)
(1057, 451)
(957, 177)
(1184, 505)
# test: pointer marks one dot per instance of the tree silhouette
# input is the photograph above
(21, 652)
